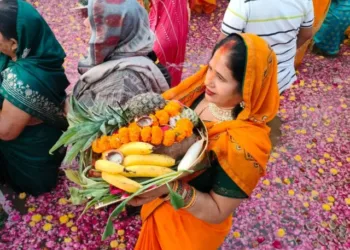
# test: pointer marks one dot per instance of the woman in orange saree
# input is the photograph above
(236, 95)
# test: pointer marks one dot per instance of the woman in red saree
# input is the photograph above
(236, 95)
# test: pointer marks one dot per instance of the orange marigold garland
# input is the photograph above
(173, 108)
(115, 141)
(155, 120)
(146, 134)
(185, 125)
(169, 138)
(124, 135)
(163, 117)
(134, 132)
(157, 135)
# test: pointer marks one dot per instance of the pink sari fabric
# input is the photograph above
(169, 21)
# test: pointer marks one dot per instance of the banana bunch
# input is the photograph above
(138, 162)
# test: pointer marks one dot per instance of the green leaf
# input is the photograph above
(176, 200)
(74, 150)
(109, 229)
(73, 176)
(76, 196)
(88, 206)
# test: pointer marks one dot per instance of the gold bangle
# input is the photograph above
(193, 200)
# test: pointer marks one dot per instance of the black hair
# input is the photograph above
(237, 60)
(152, 55)
(8, 18)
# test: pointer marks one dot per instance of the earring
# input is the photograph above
(242, 104)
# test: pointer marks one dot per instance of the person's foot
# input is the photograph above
(320, 52)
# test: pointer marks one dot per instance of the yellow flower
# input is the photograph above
(303, 131)
(286, 181)
(258, 196)
(339, 164)
(236, 234)
(291, 192)
(121, 232)
(326, 207)
(312, 109)
(122, 246)
(334, 171)
(292, 98)
(282, 97)
(74, 229)
(306, 204)
(67, 240)
(36, 217)
(22, 196)
(281, 233)
(114, 244)
(71, 215)
(49, 217)
(322, 161)
(314, 124)
(324, 224)
(320, 170)
(347, 201)
(330, 199)
(303, 107)
(276, 155)
(31, 209)
(309, 146)
(47, 227)
(334, 217)
(278, 180)
(330, 139)
(297, 158)
(313, 161)
(283, 111)
(304, 115)
(32, 224)
(326, 155)
(314, 193)
(62, 201)
(302, 83)
(344, 106)
(348, 159)
(69, 223)
(266, 182)
(64, 219)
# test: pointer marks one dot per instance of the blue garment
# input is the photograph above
(331, 34)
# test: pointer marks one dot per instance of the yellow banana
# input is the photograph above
(136, 148)
(151, 159)
(109, 167)
(146, 171)
(121, 182)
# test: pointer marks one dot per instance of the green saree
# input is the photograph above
(34, 83)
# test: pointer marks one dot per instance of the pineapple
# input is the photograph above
(144, 104)
(191, 115)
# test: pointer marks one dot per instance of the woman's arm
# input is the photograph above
(12, 121)
(209, 207)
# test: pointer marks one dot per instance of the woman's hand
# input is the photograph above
(12, 121)
(149, 196)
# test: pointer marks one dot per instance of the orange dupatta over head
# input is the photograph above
(242, 146)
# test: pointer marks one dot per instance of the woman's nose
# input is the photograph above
(209, 79)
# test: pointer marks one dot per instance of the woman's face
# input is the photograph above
(8, 46)
(221, 87)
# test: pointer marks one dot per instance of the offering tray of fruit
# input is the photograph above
(129, 150)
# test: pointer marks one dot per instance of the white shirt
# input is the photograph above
(278, 22)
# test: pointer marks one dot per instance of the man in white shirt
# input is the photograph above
(285, 24)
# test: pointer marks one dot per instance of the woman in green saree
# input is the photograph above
(32, 91)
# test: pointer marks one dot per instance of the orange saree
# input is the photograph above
(206, 6)
(320, 9)
(166, 228)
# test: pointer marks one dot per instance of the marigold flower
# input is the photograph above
(146, 134)
(163, 117)
(36, 217)
(115, 141)
(47, 227)
(69, 223)
(180, 134)
(266, 182)
(281, 232)
(121, 232)
(67, 240)
(63, 219)
(173, 108)
(326, 207)
(134, 132)
(22, 196)
(155, 120)
(114, 244)
(157, 135)
(49, 217)
(236, 234)
(124, 135)
(169, 138)
(74, 229)
(62, 201)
